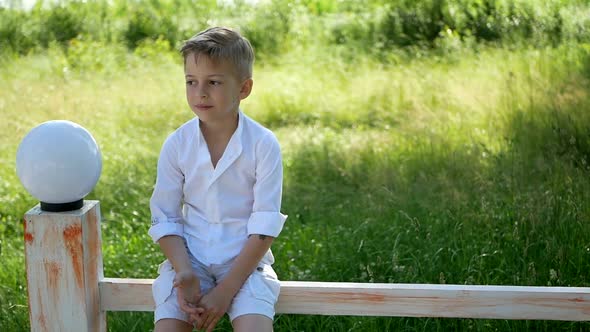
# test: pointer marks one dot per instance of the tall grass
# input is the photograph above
(464, 166)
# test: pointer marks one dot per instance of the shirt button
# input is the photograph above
(259, 269)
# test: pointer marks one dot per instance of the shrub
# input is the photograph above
(16, 31)
(61, 24)
(146, 23)
(267, 28)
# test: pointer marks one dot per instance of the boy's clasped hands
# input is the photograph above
(204, 311)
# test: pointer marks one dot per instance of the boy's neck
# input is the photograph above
(220, 129)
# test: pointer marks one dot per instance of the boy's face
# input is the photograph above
(213, 88)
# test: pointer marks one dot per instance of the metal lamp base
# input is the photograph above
(61, 207)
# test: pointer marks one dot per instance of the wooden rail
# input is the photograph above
(67, 290)
(408, 300)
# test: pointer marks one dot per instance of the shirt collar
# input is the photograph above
(236, 138)
(232, 150)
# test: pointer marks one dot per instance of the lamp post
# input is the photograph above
(59, 163)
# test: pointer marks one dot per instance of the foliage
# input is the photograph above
(278, 26)
(145, 23)
(268, 27)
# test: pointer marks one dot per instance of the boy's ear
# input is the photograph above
(246, 88)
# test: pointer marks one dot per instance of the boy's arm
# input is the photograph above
(188, 285)
(173, 248)
(166, 209)
(256, 246)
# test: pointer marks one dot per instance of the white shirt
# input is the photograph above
(215, 209)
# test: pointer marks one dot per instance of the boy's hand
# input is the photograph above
(188, 289)
(215, 305)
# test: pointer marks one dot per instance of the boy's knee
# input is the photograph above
(252, 323)
(170, 324)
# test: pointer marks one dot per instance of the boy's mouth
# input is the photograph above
(203, 107)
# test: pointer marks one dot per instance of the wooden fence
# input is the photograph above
(68, 292)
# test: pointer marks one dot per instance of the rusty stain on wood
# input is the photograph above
(73, 242)
(371, 298)
(53, 271)
(28, 236)
(41, 319)
(354, 297)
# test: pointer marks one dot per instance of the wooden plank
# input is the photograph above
(64, 264)
(117, 294)
(423, 300)
(408, 300)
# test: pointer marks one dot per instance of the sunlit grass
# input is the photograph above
(469, 169)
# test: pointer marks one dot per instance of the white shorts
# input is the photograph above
(258, 295)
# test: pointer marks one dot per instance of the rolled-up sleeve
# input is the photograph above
(266, 218)
(166, 200)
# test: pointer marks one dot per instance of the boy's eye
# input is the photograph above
(214, 82)
(189, 82)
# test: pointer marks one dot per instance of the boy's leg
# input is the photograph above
(253, 307)
(252, 323)
(172, 325)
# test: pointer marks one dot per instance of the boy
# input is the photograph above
(216, 203)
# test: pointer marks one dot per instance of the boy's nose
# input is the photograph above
(201, 93)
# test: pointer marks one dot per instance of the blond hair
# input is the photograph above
(220, 43)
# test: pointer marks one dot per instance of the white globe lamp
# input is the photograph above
(59, 163)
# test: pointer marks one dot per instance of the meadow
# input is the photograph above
(446, 159)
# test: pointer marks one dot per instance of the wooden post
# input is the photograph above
(64, 266)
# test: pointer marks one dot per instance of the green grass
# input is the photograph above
(468, 167)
